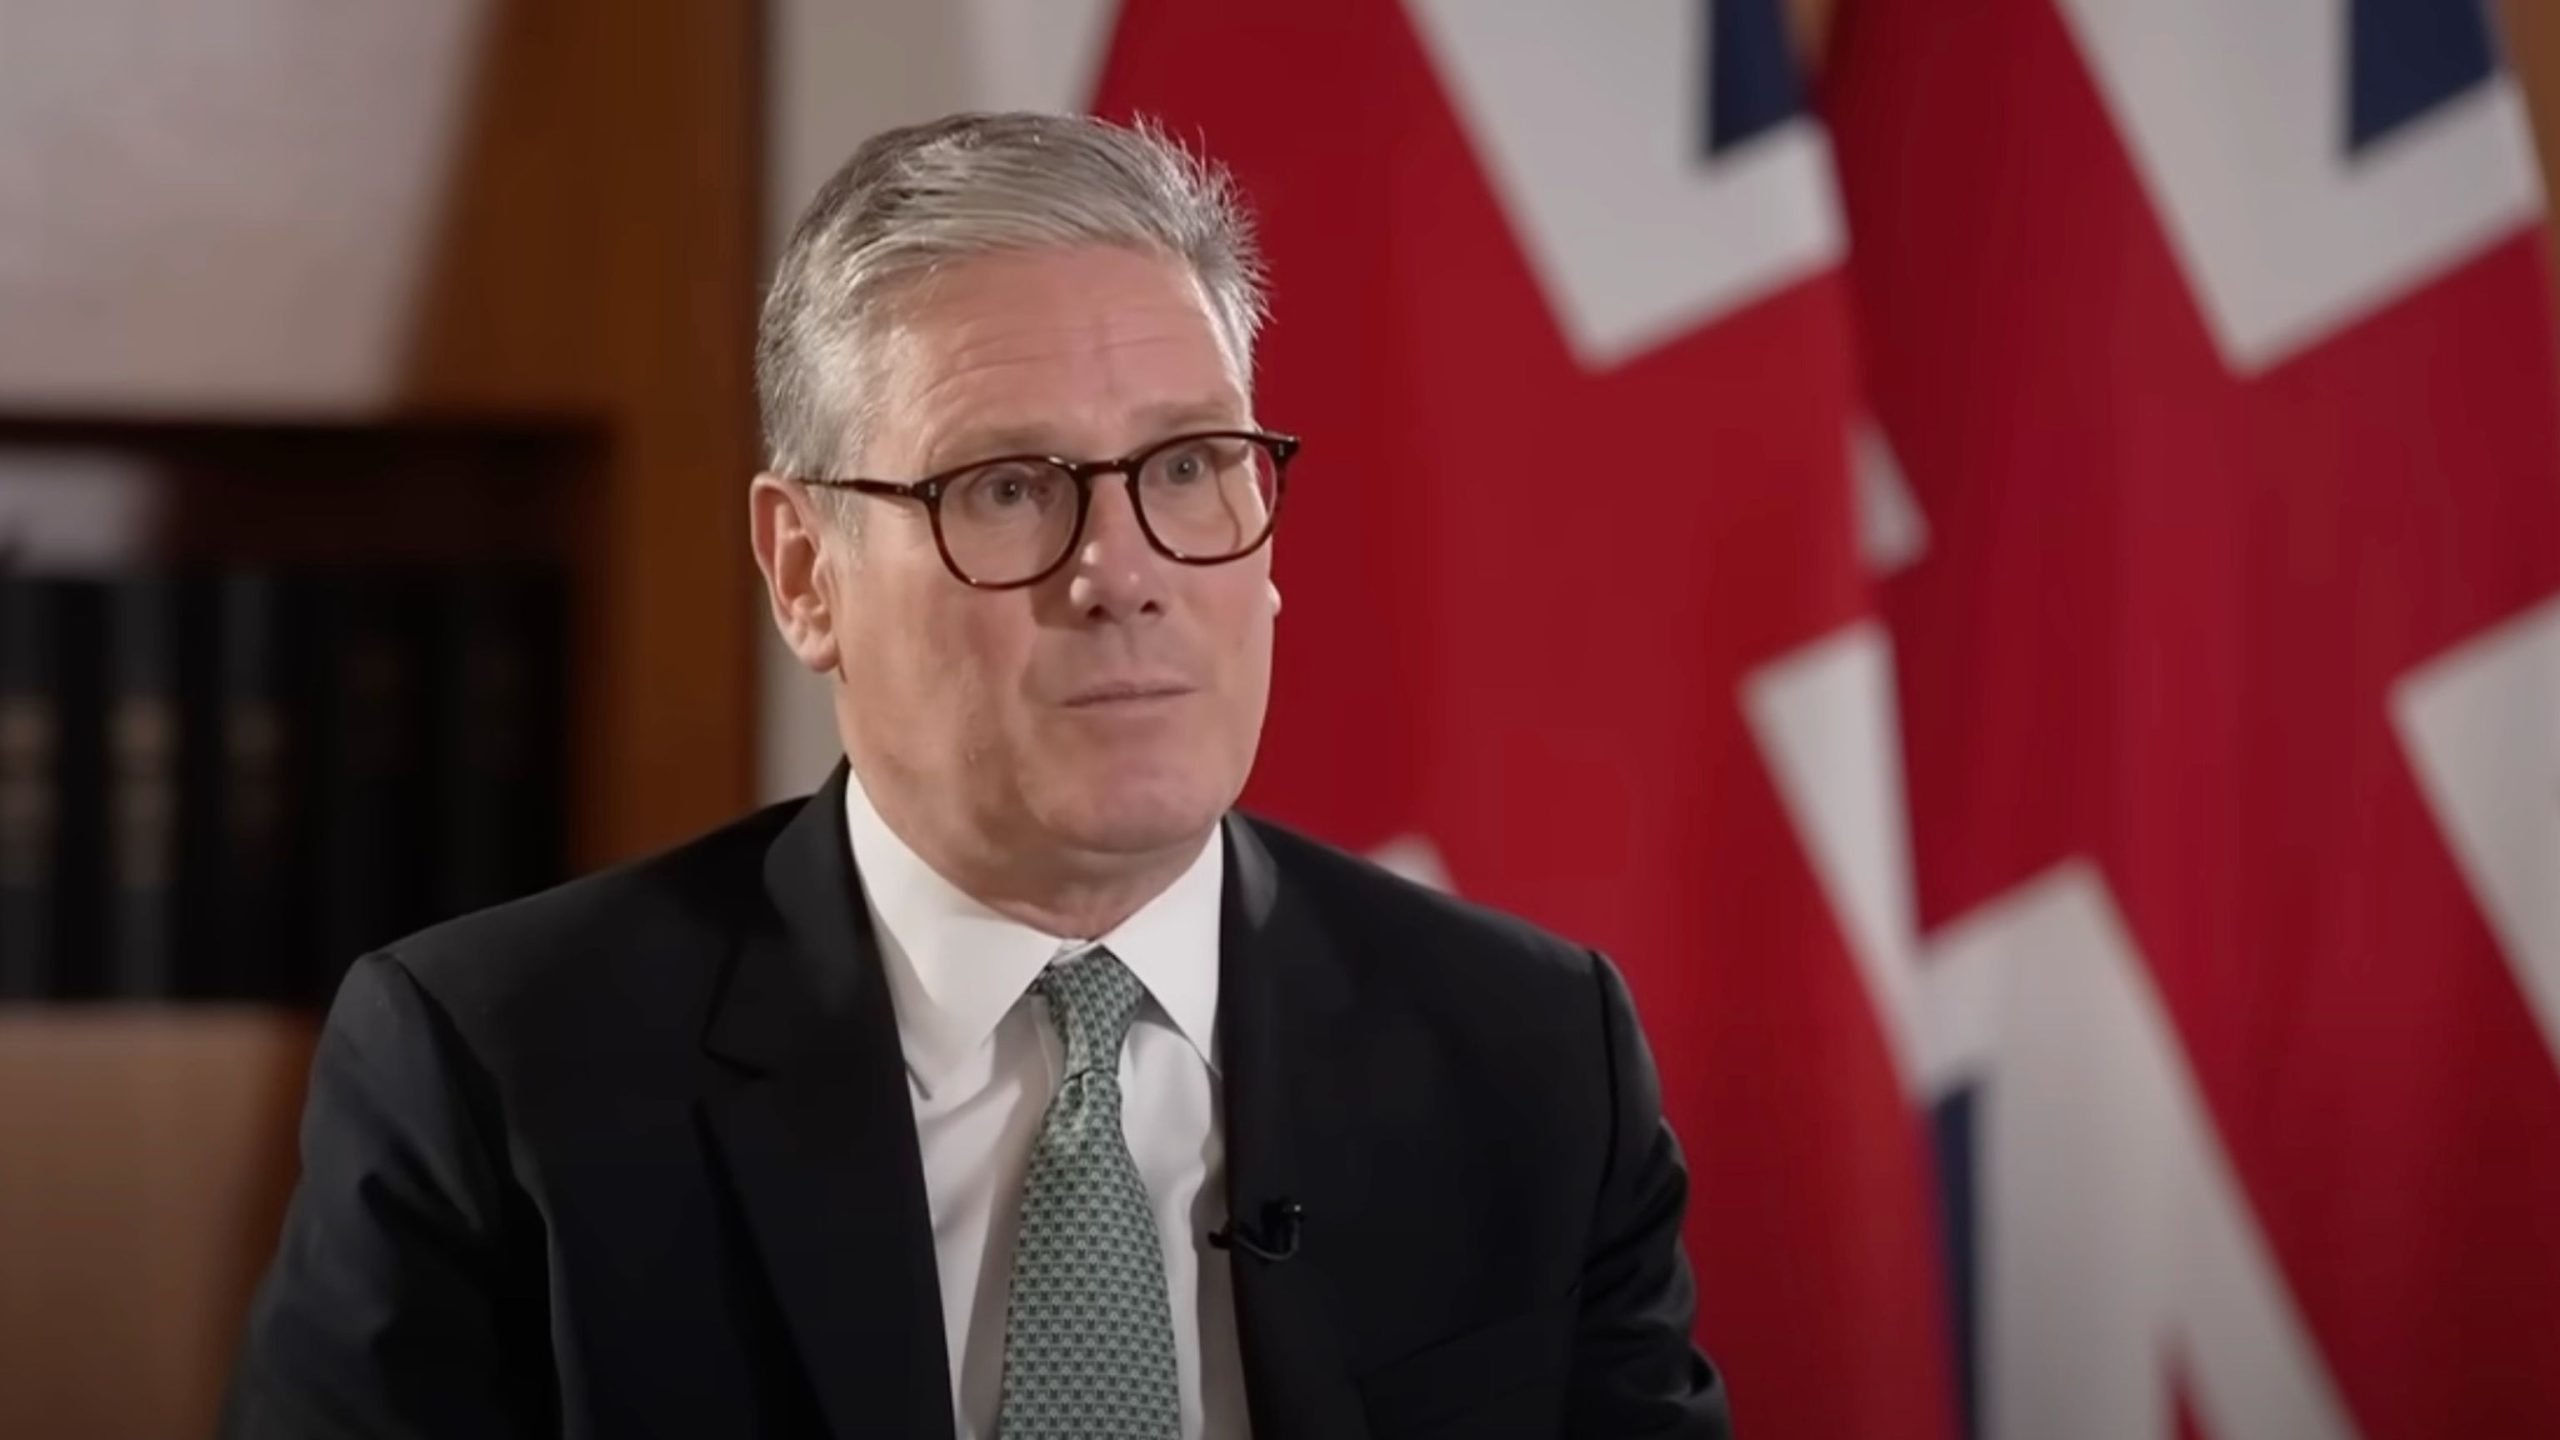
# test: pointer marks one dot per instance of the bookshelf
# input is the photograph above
(272, 695)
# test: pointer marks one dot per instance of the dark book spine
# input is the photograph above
(76, 621)
(145, 730)
(371, 842)
(30, 806)
(242, 836)
(500, 736)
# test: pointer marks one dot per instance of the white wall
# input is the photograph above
(222, 209)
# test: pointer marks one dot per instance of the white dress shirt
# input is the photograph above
(982, 1063)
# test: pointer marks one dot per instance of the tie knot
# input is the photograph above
(1092, 998)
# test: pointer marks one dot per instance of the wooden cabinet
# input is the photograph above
(145, 1156)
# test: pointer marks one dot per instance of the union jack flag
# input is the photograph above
(2027, 618)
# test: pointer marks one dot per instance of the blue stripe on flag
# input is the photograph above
(2406, 57)
(1752, 85)
(1952, 1124)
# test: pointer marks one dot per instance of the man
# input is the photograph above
(1012, 1085)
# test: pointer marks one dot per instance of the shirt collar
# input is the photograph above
(955, 966)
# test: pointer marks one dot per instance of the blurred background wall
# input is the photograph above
(374, 407)
(355, 359)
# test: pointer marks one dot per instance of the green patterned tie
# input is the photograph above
(1088, 1336)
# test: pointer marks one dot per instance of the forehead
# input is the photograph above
(1081, 348)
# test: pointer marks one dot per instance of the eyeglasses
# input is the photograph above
(1201, 499)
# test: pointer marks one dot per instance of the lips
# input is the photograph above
(1123, 692)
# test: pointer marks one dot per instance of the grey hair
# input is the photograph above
(913, 199)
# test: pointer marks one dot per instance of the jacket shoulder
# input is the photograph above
(1397, 925)
(614, 948)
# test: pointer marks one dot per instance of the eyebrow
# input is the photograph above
(1162, 419)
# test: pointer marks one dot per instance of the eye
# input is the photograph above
(1008, 486)
(1187, 464)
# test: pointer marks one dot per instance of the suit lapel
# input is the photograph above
(819, 1140)
(1284, 1001)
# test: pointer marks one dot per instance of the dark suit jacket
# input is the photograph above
(635, 1157)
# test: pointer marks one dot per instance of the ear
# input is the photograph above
(790, 543)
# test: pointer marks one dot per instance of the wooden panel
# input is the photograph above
(598, 258)
(674, 706)
(145, 1158)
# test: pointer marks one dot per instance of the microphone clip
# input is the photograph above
(1274, 1240)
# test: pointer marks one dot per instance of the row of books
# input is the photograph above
(228, 785)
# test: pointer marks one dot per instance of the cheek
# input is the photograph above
(973, 652)
(1243, 636)
(905, 643)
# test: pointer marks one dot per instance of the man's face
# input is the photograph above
(1114, 708)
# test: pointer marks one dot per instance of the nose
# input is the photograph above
(1116, 574)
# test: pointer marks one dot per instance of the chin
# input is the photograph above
(1136, 814)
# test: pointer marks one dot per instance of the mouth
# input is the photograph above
(1125, 692)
